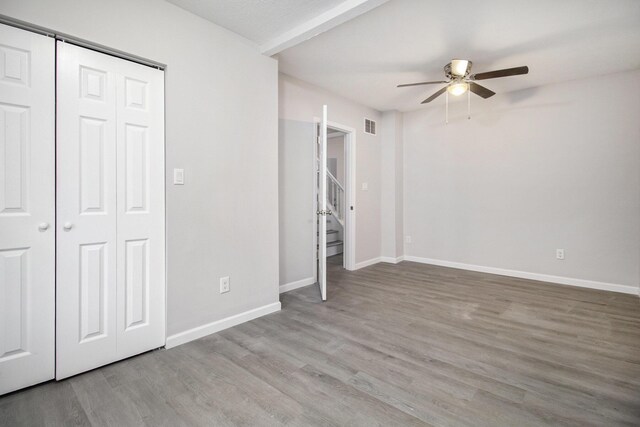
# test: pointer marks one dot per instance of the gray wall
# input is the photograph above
(296, 207)
(221, 127)
(299, 103)
(552, 167)
(391, 174)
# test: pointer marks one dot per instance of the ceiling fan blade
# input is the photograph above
(481, 90)
(422, 83)
(435, 95)
(501, 73)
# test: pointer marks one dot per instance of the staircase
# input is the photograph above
(335, 222)
(335, 198)
(335, 225)
(334, 246)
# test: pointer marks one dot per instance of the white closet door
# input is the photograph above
(86, 206)
(110, 264)
(27, 257)
(140, 201)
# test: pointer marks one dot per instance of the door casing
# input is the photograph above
(349, 260)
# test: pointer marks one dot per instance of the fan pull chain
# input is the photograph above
(446, 117)
(468, 104)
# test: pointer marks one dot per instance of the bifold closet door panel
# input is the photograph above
(27, 210)
(140, 202)
(86, 210)
(111, 270)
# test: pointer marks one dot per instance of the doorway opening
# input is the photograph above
(340, 197)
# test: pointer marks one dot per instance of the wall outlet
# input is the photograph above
(407, 239)
(224, 285)
(559, 253)
(365, 186)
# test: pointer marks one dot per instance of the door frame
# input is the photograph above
(67, 38)
(349, 258)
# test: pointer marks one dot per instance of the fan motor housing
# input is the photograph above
(451, 76)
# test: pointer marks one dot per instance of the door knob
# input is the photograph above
(43, 226)
(67, 226)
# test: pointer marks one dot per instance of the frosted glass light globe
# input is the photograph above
(457, 89)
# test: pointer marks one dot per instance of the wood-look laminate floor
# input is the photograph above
(404, 344)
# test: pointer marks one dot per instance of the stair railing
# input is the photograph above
(335, 197)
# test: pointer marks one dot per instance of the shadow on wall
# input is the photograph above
(295, 199)
(490, 111)
(518, 96)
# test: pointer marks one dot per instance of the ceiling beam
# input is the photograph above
(344, 12)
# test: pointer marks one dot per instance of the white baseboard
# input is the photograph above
(367, 263)
(372, 261)
(219, 325)
(392, 260)
(582, 283)
(297, 284)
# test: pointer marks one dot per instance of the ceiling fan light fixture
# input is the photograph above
(457, 89)
(459, 67)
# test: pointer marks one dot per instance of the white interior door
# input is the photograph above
(27, 208)
(110, 207)
(140, 206)
(322, 205)
(86, 210)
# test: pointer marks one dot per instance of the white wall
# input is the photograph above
(391, 174)
(335, 150)
(399, 181)
(551, 167)
(221, 127)
(299, 103)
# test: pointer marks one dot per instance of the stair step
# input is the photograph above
(331, 231)
(332, 235)
(334, 248)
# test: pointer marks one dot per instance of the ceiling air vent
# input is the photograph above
(369, 126)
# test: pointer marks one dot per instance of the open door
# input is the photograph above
(321, 204)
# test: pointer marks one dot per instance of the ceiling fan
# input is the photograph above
(459, 79)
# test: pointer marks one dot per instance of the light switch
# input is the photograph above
(365, 186)
(178, 177)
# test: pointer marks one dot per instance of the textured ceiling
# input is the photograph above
(404, 41)
(258, 20)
